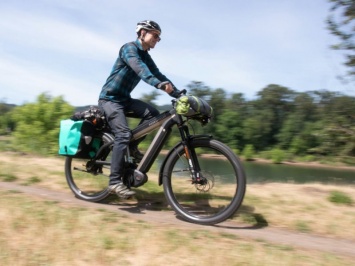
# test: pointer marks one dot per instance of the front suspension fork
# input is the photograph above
(191, 156)
(194, 166)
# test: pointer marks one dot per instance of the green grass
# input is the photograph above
(6, 143)
(6, 177)
(303, 226)
(339, 197)
(32, 180)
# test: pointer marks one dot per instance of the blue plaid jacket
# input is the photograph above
(132, 65)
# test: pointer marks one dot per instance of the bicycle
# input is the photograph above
(194, 188)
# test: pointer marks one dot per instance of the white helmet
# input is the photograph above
(147, 25)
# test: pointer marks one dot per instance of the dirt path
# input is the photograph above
(145, 211)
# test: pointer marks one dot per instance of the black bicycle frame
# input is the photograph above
(165, 121)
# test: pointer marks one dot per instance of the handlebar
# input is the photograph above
(175, 93)
(182, 92)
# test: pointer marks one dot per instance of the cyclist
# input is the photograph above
(133, 64)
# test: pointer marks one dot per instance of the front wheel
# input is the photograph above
(221, 190)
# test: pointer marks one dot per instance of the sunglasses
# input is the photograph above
(156, 36)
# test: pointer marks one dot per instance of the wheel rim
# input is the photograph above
(89, 180)
(89, 184)
(214, 200)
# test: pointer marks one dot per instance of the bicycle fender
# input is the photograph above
(173, 150)
(110, 139)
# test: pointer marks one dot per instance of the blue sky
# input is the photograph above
(68, 47)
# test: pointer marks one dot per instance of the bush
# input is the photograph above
(348, 160)
(265, 154)
(308, 158)
(236, 151)
(5, 177)
(248, 152)
(277, 156)
(37, 124)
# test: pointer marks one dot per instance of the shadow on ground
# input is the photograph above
(155, 201)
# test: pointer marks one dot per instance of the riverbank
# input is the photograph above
(318, 164)
(306, 164)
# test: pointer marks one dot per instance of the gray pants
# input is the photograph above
(116, 117)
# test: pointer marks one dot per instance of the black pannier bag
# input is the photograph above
(94, 115)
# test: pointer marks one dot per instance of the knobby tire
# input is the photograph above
(212, 201)
(89, 184)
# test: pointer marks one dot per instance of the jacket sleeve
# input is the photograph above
(146, 69)
(129, 54)
(154, 69)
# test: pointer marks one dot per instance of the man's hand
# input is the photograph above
(168, 88)
(165, 86)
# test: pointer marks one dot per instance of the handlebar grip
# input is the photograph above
(183, 92)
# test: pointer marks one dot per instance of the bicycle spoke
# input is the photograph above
(213, 195)
(88, 179)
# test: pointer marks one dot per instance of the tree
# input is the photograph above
(199, 89)
(217, 101)
(297, 121)
(37, 124)
(229, 128)
(275, 103)
(341, 23)
(338, 132)
(257, 128)
(150, 97)
(6, 123)
(230, 123)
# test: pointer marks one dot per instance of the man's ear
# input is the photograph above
(143, 33)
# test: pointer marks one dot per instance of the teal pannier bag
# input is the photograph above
(76, 139)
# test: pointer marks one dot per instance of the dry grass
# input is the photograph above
(38, 232)
(304, 208)
(48, 171)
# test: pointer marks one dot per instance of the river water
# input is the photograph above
(284, 173)
(262, 172)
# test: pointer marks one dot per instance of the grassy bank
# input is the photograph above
(35, 231)
(38, 232)
(313, 208)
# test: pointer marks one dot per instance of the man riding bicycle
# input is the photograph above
(133, 64)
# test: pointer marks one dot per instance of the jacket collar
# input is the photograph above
(139, 45)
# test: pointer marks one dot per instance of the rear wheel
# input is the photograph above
(217, 195)
(88, 179)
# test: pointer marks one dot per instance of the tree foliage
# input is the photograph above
(37, 124)
(341, 23)
(150, 97)
(308, 124)
(6, 122)
(314, 122)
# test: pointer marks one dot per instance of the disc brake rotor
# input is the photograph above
(205, 183)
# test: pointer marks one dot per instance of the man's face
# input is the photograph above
(151, 38)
